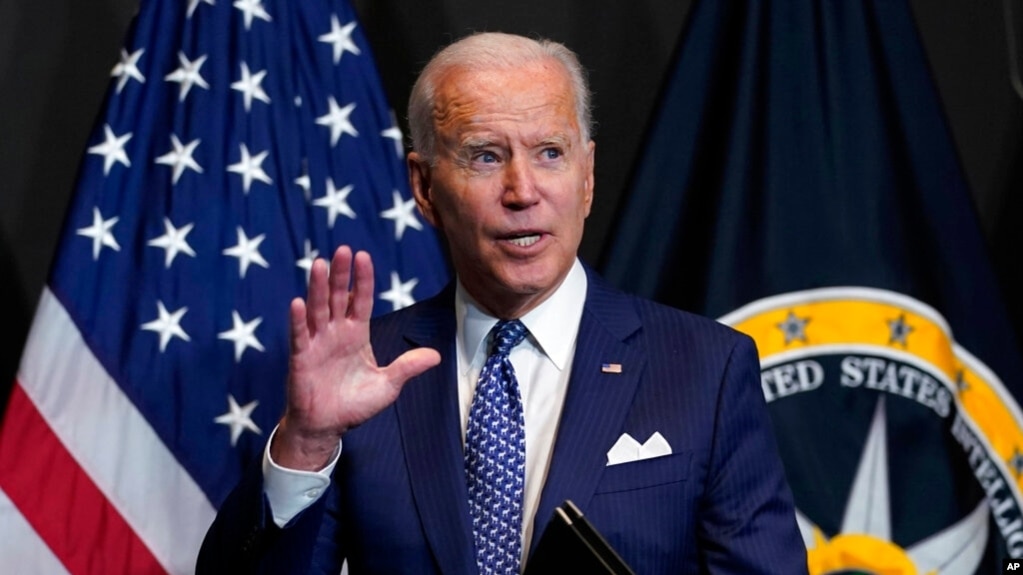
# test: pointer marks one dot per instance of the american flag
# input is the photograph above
(239, 141)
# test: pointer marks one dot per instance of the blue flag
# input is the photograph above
(802, 186)
(239, 141)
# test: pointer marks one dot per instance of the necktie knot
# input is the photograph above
(506, 335)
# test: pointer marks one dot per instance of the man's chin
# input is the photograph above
(527, 292)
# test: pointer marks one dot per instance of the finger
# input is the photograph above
(340, 276)
(410, 364)
(299, 328)
(362, 288)
(317, 312)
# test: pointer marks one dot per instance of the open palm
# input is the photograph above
(334, 382)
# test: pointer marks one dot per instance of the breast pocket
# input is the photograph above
(645, 473)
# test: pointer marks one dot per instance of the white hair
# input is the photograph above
(490, 50)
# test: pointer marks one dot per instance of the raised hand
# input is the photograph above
(334, 382)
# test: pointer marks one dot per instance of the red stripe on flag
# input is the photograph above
(61, 502)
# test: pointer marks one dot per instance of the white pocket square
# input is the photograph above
(627, 449)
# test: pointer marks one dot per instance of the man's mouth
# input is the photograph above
(525, 241)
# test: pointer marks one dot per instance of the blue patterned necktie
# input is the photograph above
(495, 457)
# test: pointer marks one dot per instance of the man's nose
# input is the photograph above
(520, 184)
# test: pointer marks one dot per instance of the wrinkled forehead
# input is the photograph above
(531, 90)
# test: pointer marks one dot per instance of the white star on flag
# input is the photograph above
(187, 74)
(112, 149)
(403, 214)
(167, 324)
(173, 240)
(180, 158)
(337, 120)
(340, 37)
(400, 294)
(250, 86)
(127, 69)
(238, 418)
(247, 252)
(252, 8)
(100, 233)
(193, 3)
(305, 183)
(250, 168)
(242, 334)
(336, 202)
(394, 133)
(306, 262)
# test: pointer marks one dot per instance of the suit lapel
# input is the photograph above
(592, 418)
(596, 403)
(428, 417)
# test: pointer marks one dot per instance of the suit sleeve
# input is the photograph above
(748, 521)
(245, 539)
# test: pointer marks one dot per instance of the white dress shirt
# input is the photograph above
(542, 362)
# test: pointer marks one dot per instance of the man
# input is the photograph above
(381, 458)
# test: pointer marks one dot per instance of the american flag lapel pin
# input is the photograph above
(610, 368)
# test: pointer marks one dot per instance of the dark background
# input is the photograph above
(56, 57)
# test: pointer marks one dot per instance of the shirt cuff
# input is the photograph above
(291, 491)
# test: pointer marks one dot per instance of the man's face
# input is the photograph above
(511, 184)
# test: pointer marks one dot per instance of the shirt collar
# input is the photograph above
(553, 325)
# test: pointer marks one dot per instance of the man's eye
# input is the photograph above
(486, 157)
(551, 153)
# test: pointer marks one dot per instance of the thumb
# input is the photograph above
(410, 364)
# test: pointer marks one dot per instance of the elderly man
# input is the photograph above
(440, 438)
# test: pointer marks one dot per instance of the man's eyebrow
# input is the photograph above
(563, 142)
(476, 143)
(555, 139)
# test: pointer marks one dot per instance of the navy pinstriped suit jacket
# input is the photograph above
(398, 503)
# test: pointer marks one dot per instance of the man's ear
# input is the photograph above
(419, 176)
(588, 182)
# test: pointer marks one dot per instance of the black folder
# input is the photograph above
(570, 544)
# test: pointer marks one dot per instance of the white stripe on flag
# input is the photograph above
(20, 547)
(111, 440)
